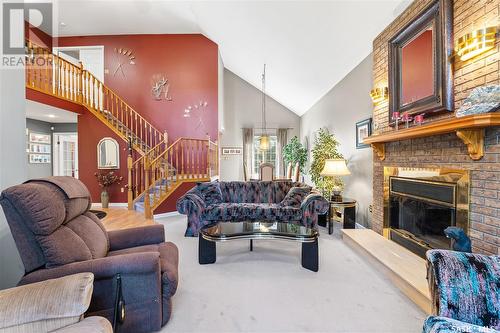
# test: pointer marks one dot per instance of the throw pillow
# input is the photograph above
(295, 196)
(210, 192)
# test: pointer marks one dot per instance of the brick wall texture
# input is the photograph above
(447, 150)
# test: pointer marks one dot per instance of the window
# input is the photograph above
(267, 156)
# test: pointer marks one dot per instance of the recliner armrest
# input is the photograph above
(103, 268)
(62, 301)
(126, 238)
(88, 325)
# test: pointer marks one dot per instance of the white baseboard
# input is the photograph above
(168, 214)
(111, 204)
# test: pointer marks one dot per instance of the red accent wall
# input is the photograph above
(417, 68)
(40, 97)
(37, 36)
(190, 62)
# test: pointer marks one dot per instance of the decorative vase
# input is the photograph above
(104, 199)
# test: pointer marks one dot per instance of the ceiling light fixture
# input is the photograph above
(476, 42)
(264, 138)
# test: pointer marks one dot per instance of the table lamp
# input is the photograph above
(335, 167)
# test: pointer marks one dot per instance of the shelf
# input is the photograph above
(469, 129)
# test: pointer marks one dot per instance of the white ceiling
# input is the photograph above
(308, 46)
(50, 114)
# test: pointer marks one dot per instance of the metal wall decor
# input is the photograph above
(123, 57)
(197, 111)
(160, 88)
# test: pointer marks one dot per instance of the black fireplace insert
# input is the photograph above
(419, 211)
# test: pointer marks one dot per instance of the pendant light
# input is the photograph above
(264, 138)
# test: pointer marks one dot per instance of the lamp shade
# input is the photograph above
(335, 167)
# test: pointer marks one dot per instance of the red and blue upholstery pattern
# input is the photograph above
(255, 200)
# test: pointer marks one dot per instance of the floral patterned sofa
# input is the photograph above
(465, 291)
(255, 200)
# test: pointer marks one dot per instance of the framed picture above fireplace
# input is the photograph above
(420, 63)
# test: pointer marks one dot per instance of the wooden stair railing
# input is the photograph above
(53, 75)
(185, 160)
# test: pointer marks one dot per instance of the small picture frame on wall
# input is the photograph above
(232, 151)
(363, 130)
(39, 138)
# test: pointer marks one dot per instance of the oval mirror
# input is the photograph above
(108, 154)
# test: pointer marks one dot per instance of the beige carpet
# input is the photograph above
(267, 290)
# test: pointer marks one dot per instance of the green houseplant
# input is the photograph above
(294, 152)
(325, 147)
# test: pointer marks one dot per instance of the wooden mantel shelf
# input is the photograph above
(469, 129)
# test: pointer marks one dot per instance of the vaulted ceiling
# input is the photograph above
(308, 46)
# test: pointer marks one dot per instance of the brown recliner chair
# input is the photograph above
(56, 236)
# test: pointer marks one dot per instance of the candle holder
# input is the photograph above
(419, 119)
(396, 118)
(407, 119)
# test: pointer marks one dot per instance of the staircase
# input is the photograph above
(155, 167)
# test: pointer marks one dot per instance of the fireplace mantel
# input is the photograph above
(469, 129)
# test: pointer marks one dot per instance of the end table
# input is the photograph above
(342, 211)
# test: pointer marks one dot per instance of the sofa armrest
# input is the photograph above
(103, 268)
(190, 203)
(464, 286)
(316, 202)
(132, 237)
(62, 301)
(88, 325)
(446, 325)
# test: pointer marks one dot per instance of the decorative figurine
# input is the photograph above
(419, 119)
(461, 242)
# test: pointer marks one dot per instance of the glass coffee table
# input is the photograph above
(226, 231)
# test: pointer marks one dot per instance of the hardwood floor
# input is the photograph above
(122, 218)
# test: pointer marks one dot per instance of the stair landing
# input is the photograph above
(404, 268)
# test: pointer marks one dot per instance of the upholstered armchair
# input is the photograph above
(55, 305)
(135, 270)
(465, 291)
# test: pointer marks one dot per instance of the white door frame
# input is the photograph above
(57, 161)
(55, 50)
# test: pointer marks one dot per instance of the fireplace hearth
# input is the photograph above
(421, 203)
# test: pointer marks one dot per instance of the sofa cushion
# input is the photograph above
(295, 196)
(210, 192)
(251, 211)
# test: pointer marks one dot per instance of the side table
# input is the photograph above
(342, 211)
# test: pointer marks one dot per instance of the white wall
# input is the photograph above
(345, 104)
(242, 109)
(13, 162)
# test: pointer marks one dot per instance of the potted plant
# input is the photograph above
(105, 180)
(294, 152)
(325, 147)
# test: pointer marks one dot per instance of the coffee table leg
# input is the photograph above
(251, 244)
(310, 256)
(207, 252)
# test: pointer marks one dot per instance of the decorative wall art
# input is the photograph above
(160, 88)
(232, 150)
(123, 57)
(197, 111)
(481, 100)
(363, 130)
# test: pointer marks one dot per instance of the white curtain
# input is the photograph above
(247, 152)
(282, 140)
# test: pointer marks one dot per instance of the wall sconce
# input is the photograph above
(476, 42)
(379, 94)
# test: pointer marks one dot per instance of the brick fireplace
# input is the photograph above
(447, 150)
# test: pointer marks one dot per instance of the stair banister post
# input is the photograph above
(208, 156)
(130, 161)
(80, 83)
(147, 202)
